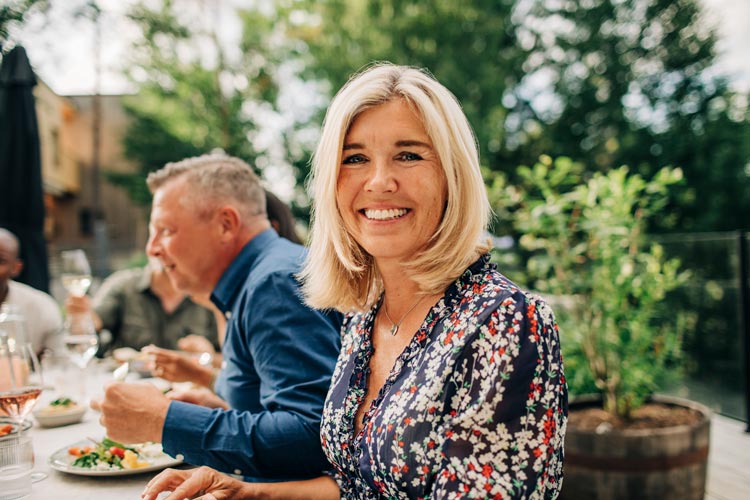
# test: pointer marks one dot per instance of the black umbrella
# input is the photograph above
(21, 201)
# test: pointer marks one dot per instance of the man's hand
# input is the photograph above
(81, 304)
(200, 396)
(77, 304)
(195, 343)
(178, 367)
(132, 413)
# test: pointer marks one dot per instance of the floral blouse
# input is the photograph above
(475, 406)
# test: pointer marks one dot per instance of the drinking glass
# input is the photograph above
(20, 378)
(16, 463)
(79, 333)
(80, 339)
(75, 272)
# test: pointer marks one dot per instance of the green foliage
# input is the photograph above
(585, 235)
(633, 86)
(14, 13)
(605, 82)
(471, 47)
(194, 95)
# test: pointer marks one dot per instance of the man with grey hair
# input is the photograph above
(210, 231)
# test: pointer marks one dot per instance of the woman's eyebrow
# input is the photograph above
(408, 143)
(400, 144)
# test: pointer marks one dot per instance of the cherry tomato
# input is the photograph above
(117, 451)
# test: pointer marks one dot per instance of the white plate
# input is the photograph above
(62, 417)
(62, 461)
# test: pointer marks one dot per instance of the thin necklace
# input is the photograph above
(395, 325)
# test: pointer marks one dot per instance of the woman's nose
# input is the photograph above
(382, 177)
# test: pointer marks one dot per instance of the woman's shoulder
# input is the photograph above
(483, 290)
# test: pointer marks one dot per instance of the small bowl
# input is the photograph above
(60, 417)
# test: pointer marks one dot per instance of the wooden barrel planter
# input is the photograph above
(666, 464)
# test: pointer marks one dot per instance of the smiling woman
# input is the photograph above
(449, 383)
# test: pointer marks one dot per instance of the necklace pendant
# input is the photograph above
(394, 330)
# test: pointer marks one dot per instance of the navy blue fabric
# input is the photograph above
(278, 359)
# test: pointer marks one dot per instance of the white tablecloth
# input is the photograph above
(68, 486)
(60, 485)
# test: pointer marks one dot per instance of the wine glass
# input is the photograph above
(79, 331)
(80, 339)
(20, 378)
(75, 272)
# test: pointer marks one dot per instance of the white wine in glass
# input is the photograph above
(75, 272)
(80, 339)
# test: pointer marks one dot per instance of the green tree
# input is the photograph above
(633, 86)
(605, 82)
(14, 13)
(195, 93)
(471, 47)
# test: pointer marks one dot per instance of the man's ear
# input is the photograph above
(16, 268)
(229, 219)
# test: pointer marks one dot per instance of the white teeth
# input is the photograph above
(393, 213)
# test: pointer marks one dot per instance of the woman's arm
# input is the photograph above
(207, 484)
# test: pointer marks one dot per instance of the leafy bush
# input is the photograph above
(588, 253)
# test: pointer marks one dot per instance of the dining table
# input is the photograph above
(49, 441)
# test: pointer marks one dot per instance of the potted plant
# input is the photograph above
(587, 252)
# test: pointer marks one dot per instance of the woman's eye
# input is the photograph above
(353, 159)
(408, 156)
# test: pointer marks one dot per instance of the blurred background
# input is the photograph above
(126, 86)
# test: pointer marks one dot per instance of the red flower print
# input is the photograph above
(487, 470)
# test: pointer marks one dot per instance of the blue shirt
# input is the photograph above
(278, 359)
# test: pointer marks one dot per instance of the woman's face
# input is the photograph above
(391, 189)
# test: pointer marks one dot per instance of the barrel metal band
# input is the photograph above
(641, 464)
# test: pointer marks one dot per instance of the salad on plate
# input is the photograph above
(108, 458)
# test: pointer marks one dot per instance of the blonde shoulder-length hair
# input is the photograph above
(338, 272)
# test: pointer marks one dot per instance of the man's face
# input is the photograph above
(10, 266)
(188, 246)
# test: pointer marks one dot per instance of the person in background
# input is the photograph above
(450, 380)
(140, 307)
(40, 311)
(210, 230)
(176, 366)
(281, 218)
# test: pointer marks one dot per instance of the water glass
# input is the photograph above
(16, 463)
